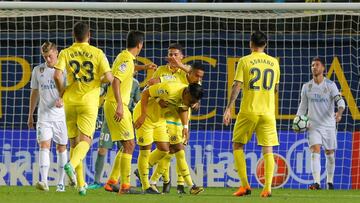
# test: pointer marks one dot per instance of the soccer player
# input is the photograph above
(258, 75)
(86, 67)
(105, 142)
(150, 126)
(117, 113)
(174, 127)
(51, 117)
(318, 98)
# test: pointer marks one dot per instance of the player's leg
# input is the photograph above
(179, 151)
(315, 142)
(266, 135)
(86, 122)
(61, 139)
(62, 159)
(128, 147)
(44, 136)
(330, 145)
(180, 181)
(243, 129)
(105, 143)
(162, 170)
(161, 138)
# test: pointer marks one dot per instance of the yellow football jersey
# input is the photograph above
(167, 91)
(165, 74)
(259, 74)
(84, 64)
(123, 69)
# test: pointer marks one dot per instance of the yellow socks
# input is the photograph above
(183, 167)
(143, 167)
(180, 178)
(161, 169)
(240, 165)
(269, 170)
(80, 175)
(115, 171)
(79, 153)
(125, 166)
(155, 156)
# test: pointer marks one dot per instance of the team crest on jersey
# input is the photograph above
(310, 86)
(173, 138)
(161, 91)
(122, 67)
(126, 134)
(325, 90)
(141, 140)
(42, 69)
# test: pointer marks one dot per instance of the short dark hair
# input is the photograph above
(197, 66)
(176, 46)
(81, 31)
(134, 38)
(196, 91)
(258, 38)
(316, 58)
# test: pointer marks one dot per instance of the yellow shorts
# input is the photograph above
(80, 118)
(122, 130)
(263, 125)
(150, 131)
(174, 130)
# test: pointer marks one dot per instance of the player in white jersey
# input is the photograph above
(51, 117)
(318, 98)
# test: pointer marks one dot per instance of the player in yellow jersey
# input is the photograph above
(86, 67)
(117, 114)
(150, 123)
(258, 76)
(175, 128)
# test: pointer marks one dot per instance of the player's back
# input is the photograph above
(259, 73)
(85, 64)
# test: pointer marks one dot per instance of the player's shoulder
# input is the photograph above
(328, 82)
(39, 68)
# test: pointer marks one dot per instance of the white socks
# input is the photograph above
(61, 161)
(330, 167)
(315, 167)
(44, 164)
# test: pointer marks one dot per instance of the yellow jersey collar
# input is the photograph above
(80, 43)
(130, 54)
(170, 69)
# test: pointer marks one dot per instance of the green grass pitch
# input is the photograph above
(27, 194)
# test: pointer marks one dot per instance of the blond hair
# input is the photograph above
(47, 46)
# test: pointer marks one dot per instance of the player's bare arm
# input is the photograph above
(107, 77)
(34, 97)
(149, 66)
(58, 77)
(184, 117)
(119, 113)
(235, 90)
(144, 102)
(176, 62)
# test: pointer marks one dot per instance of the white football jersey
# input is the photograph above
(318, 103)
(43, 79)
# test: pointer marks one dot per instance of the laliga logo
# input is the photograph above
(281, 171)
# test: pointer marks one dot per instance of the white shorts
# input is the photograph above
(55, 130)
(324, 137)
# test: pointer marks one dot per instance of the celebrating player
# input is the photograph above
(258, 75)
(150, 125)
(174, 127)
(318, 98)
(86, 67)
(51, 117)
(117, 113)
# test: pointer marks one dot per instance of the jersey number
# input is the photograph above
(87, 66)
(268, 74)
